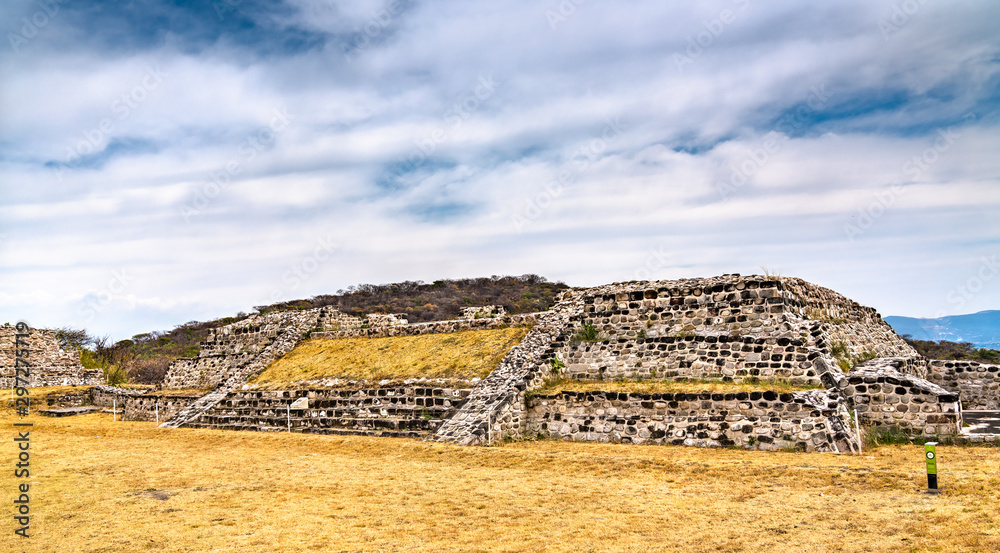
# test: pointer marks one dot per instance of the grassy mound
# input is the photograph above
(468, 354)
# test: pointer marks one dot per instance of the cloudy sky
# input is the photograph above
(162, 162)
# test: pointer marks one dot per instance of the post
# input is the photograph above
(157, 411)
(114, 408)
(931, 456)
(857, 427)
(288, 411)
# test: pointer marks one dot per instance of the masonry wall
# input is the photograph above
(809, 421)
(410, 411)
(715, 305)
(226, 350)
(107, 396)
(50, 364)
(977, 384)
(433, 327)
(727, 327)
(144, 407)
(496, 408)
(693, 357)
(884, 396)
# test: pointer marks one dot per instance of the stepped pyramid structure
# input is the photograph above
(51, 365)
(729, 328)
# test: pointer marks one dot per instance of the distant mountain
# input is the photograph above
(982, 329)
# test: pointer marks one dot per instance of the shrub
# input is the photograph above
(149, 371)
(115, 375)
(587, 333)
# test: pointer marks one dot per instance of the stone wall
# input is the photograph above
(405, 411)
(333, 320)
(107, 396)
(809, 421)
(860, 328)
(483, 312)
(144, 407)
(295, 328)
(884, 396)
(50, 364)
(977, 384)
(727, 327)
(433, 327)
(70, 399)
(226, 350)
(496, 408)
(693, 357)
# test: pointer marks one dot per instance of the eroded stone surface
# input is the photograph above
(50, 364)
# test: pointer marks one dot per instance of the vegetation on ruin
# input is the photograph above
(125, 361)
(954, 351)
(845, 360)
(438, 301)
(876, 436)
(557, 384)
(148, 355)
(103, 486)
(468, 354)
(588, 333)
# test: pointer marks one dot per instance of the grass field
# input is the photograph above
(99, 486)
(468, 354)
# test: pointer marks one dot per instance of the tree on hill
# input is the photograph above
(956, 351)
(145, 358)
(437, 301)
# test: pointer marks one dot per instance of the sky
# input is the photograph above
(163, 162)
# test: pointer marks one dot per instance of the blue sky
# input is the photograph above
(162, 162)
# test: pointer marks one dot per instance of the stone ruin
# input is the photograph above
(728, 328)
(50, 364)
(484, 312)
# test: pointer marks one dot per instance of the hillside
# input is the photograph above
(148, 354)
(963, 351)
(980, 329)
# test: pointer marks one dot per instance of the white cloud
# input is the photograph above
(867, 105)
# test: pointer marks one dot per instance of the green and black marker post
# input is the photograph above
(931, 455)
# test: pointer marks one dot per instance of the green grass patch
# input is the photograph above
(468, 354)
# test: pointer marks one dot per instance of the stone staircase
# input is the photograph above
(496, 407)
(410, 412)
(281, 345)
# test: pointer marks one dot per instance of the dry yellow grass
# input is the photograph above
(99, 486)
(468, 354)
(555, 386)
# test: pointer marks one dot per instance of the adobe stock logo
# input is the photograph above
(989, 268)
(33, 24)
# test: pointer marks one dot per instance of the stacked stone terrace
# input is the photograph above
(884, 395)
(50, 364)
(727, 327)
(235, 353)
(401, 411)
(808, 421)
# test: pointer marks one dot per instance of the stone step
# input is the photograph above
(317, 424)
(325, 431)
(402, 402)
(365, 412)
